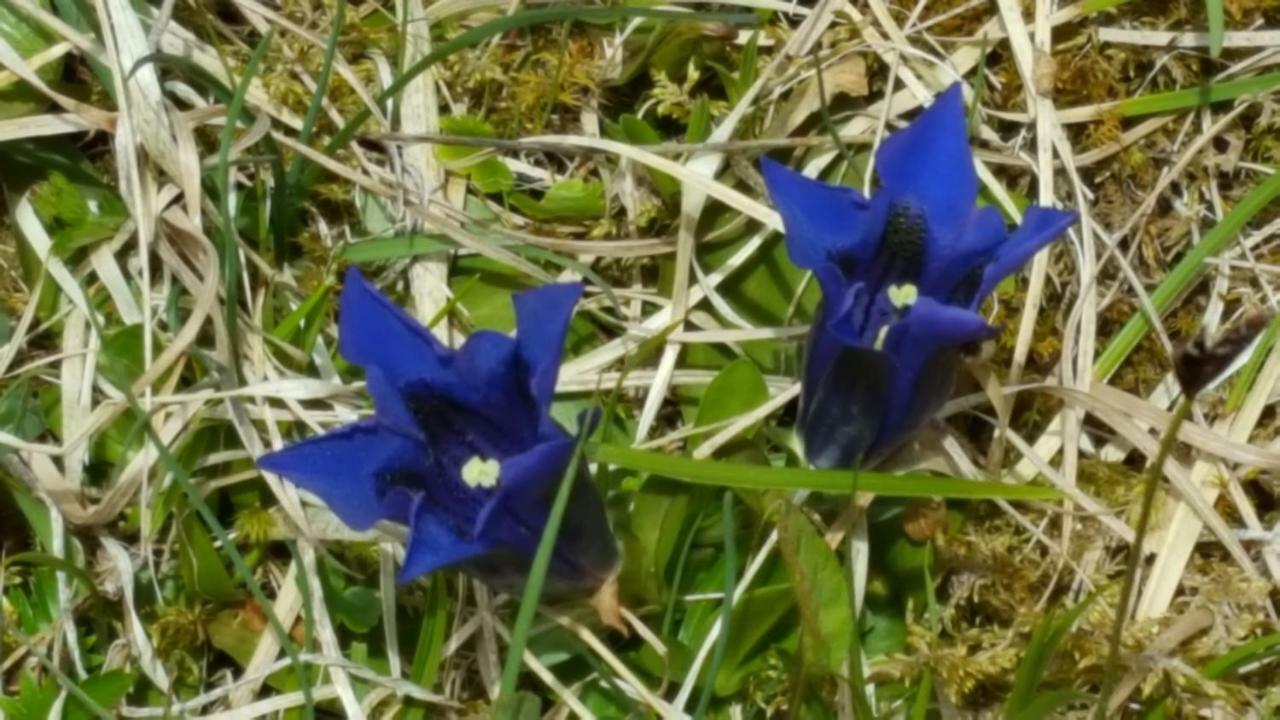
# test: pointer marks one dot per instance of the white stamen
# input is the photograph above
(880, 336)
(481, 472)
(903, 296)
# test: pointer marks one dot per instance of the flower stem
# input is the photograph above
(1151, 481)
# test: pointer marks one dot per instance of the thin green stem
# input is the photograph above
(1151, 482)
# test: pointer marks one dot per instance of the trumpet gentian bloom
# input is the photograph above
(903, 274)
(461, 447)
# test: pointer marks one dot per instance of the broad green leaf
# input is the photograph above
(821, 591)
(654, 527)
(77, 214)
(754, 477)
(105, 690)
(491, 175)
(737, 389)
(27, 37)
(522, 705)
(201, 565)
(19, 412)
(121, 358)
(571, 199)
(637, 131)
(356, 606)
(394, 248)
(34, 700)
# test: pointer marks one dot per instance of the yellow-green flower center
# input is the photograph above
(481, 472)
(901, 297)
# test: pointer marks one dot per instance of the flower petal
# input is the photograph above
(346, 468)
(585, 551)
(434, 545)
(841, 410)
(497, 387)
(954, 269)
(374, 333)
(823, 222)
(542, 322)
(930, 161)
(924, 345)
(1040, 226)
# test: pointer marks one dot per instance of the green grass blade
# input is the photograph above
(430, 648)
(726, 605)
(755, 477)
(230, 245)
(287, 195)
(1210, 92)
(1184, 276)
(537, 577)
(1217, 26)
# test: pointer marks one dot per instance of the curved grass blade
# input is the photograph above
(726, 606)
(230, 249)
(533, 587)
(836, 482)
(1185, 274)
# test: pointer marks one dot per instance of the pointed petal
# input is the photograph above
(542, 322)
(1040, 226)
(955, 268)
(823, 221)
(842, 410)
(924, 346)
(434, 545)
(347, 468)
(586, 551)
(930, 162)
(374, 333)
(525, 484)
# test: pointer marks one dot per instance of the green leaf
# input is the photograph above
(77, 214)
(699, 126)
(394, 248)
(654, 528)
(356, 606)
(34, 701)
(491, 175)
(105, 690)
(523, 705)
(754, 477)
(121, 358)
(27, 37)
(637, 131)
(20, 413)
(571, 199)
(737, 389)
(201, 565)
(821, 591)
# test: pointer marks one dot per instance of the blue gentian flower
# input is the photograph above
(461, 446)
(903, 275)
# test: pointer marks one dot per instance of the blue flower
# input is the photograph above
(903, 275)
(461, 447)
